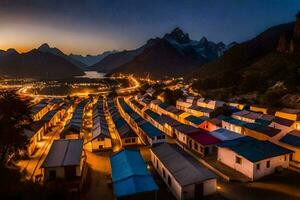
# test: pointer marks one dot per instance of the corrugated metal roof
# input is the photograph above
(282, 121)
(224, 134)
(152, 114)
(203, 137)
(196, 120)
(184, 168)
(292, 138)
(266, 130)
(64, 153)
(186, 128)
(254, 150)
(129, 174)
(233, 121)
(151, 130)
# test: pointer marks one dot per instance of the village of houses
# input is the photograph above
(148, 149)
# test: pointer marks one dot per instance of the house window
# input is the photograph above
(284, 157)
(258, 166)
(238, 160)
(268, 164)
(164, 173)
(195, 146)
(169, 181)
(201, 149)
(133, 140)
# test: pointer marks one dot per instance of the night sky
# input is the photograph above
(93, 26)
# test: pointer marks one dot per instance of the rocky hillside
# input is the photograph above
(260, 66)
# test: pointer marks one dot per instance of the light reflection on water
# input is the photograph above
(92, 75)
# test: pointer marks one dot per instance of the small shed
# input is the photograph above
(130, 176)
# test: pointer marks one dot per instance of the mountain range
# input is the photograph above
(171, 55)
(90, 60)
(267, 67)
(269, 57)
(36, 64)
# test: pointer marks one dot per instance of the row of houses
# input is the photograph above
(120, 126)
(101, 138)
(281, 135)
(73, 130)
(38, 128)
(204, 136)
(66, 159)
(40, 109)
(145, 130)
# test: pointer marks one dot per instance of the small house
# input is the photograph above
(130, 176)
(292, 141)
(65, 160)
(260, 132)
(232, 124)
(253, 158)
(184, 176)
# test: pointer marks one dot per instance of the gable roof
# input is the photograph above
(64, 153)
(254, 150)
(266, 130)
(282, 121)
(292, 138)
(203, 137)
(152, 114)
(224, 134)
(151, 130)
(185, 169)
(129, 174)
(196, 120)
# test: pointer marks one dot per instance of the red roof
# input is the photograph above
(203, 138)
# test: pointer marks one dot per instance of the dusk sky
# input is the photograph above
(93, 26)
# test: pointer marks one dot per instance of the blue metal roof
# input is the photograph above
(164, 105)
(292, 140)
(151, 130)
(266, 130)
(196, 120)
(152, 114)
(254, 150)
(263, 122)
(232, 121)
(129, 174)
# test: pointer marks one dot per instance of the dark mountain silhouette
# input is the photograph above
(8, 52)
(246, 53)
(114, 60)
(37, 64)
(267, 66)
(175, 54)
(55, 51)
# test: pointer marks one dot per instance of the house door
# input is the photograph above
(206, 151)
(291, 157)
(70, 172)
(52, 175)
(198, 191)
(190, 144)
